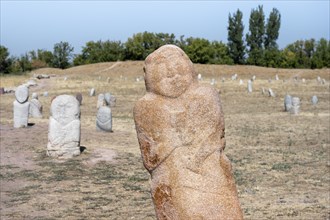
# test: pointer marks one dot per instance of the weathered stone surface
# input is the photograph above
(199, 76)
(287, 103)
(31, 82)
(21, 107)
(110, 99)
(100, 101)
(42, 76)
(22, 93)
(35, 110)
(104, 119)
(34, 95)
(92, 92)
(314, 100)
(249, 86)
(64, 127)
(271, 93)
(180, 128)
(79, 97)
(21, 114)
(295, 106)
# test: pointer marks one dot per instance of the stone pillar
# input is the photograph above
(92, 92)
(287, 103)
(21, 107)
(35, 110)
(271, 93)
(314, 100)
(180, 129)
(295, 106)
(249, 86)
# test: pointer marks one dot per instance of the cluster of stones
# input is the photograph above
(292, 104)
(180, 129)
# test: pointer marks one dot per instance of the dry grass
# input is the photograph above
(280, 161)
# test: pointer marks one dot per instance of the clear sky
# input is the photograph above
(31, 25)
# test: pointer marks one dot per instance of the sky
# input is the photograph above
(31, 25)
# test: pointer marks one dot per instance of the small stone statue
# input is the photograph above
(21, 107)
(64, 127)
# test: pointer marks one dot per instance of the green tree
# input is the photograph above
(25, 63)
(62, 54)
(220, 54)
(112, 51)
(235, 37)
(272, 54)
(272, 29)
(45, 56)
(5, 61)
(199, 50)
(321, 57)
(141, 45)
(134, 47)
(182, 43)
(255, 37)
(96, 52)
(40, 58)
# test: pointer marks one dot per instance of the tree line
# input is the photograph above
(258, 47)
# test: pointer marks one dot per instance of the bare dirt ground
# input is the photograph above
(281, 162)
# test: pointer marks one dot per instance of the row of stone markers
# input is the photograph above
(64, 121)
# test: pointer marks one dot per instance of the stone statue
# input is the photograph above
(64, 127)
(110, 99)
(35, 110)
(21, 107)
(104, 119)
(181, 132)
(287, 103)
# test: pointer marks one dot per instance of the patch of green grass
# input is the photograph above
(22, 196)
(239, 177)
(281, 167)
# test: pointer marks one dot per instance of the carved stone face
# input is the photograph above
(168, 71)
(65, 108)
(22, 93)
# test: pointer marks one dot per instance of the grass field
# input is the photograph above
(281, 162)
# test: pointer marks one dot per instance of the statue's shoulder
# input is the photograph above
(205, 92)
(149, 102)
